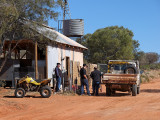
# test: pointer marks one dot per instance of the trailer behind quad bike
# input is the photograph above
(122, 75)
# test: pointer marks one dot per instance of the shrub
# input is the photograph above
(154, 66)
(144, 78)
(152, 77)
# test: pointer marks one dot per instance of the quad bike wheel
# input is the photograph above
(19, 93)
(45, 91)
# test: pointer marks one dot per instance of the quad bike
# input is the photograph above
(27, 84)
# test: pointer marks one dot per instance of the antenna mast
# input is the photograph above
(66, 10)
(70, 27)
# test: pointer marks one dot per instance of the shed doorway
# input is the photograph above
(67, 80)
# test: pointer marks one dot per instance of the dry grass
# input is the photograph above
(149, 75)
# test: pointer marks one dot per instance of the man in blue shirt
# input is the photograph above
(58, 73)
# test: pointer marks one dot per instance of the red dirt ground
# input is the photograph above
(121, 106)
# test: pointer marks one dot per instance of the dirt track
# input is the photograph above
(122, 106)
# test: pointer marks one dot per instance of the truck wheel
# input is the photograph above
(134, 90)
(108, 91)
(138, 90)
(19, 92)
(45, 91)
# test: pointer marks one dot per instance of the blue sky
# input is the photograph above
(140, 16)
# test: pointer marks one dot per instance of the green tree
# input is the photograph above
(110, 43)
(147, 58)
(141, 57)
(152, 57)
(14, 12)
(136, 49)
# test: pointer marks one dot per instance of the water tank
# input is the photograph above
(73, 27)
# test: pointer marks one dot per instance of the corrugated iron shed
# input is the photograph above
(53, 35)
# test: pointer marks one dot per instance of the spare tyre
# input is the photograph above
(131, 70)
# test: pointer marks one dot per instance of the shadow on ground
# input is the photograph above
(115, 95)
(151, 90)
(27, 96)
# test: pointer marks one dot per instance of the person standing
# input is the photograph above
(84, 80)
(58, 73)
(96, 76)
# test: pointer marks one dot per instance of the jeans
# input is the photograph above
(84, 82)
(95, 87)
(58, 85)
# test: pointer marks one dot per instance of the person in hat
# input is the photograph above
(96, 76)
(58, 74)
(84, 80)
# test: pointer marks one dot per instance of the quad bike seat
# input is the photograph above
(38, 80)
(41, 80)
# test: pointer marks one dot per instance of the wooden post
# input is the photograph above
(36, 62)
(4, 53)
(46, 62)
(15, 52)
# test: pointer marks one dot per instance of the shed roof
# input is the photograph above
(53, 35)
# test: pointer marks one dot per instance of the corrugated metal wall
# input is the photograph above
(68, 52)
(56, 54)
(52, 59)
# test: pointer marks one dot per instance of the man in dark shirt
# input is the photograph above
(96, 76)
(58, 73)
(84, 80)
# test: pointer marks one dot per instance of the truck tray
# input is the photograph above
(119, 78)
